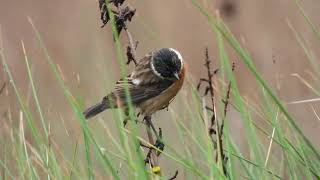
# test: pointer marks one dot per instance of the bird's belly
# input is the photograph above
(159, 102)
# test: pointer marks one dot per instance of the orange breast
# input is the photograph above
(161, 101)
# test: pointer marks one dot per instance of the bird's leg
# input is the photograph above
(158, 144)
(153, 155)
(150, 124)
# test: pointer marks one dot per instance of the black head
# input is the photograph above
(167, 63)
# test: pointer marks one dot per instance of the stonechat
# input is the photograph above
(155, 81)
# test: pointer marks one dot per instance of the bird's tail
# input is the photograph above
(95, 109)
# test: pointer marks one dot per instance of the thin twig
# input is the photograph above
(175, 175)
(214, 127)
(2, 87)
(210, 75)
(226, 102)
(131, 49)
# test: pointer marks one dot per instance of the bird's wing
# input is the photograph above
(142, 85)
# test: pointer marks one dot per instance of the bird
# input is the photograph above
(152, 85)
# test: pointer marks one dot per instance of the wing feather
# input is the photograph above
(149, 85)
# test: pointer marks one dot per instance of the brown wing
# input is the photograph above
(142, 85)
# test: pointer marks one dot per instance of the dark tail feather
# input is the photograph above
(94, 110)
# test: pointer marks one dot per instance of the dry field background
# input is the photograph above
(86, 56)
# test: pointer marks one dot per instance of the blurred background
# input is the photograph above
(86, 55)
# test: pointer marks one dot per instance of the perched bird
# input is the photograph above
(152, 85)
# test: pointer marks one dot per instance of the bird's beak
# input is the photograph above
(176, 75)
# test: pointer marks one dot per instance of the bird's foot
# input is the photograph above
(158, 147)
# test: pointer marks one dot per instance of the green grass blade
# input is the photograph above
(246, 58)
(34, 91)
(75, 107)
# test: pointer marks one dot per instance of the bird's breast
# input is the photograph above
(161, 101)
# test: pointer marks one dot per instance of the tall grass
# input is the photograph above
(299, 158)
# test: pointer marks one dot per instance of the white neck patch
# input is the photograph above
(154, 69)
(178, 54)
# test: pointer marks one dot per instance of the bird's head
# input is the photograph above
(167, 63)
